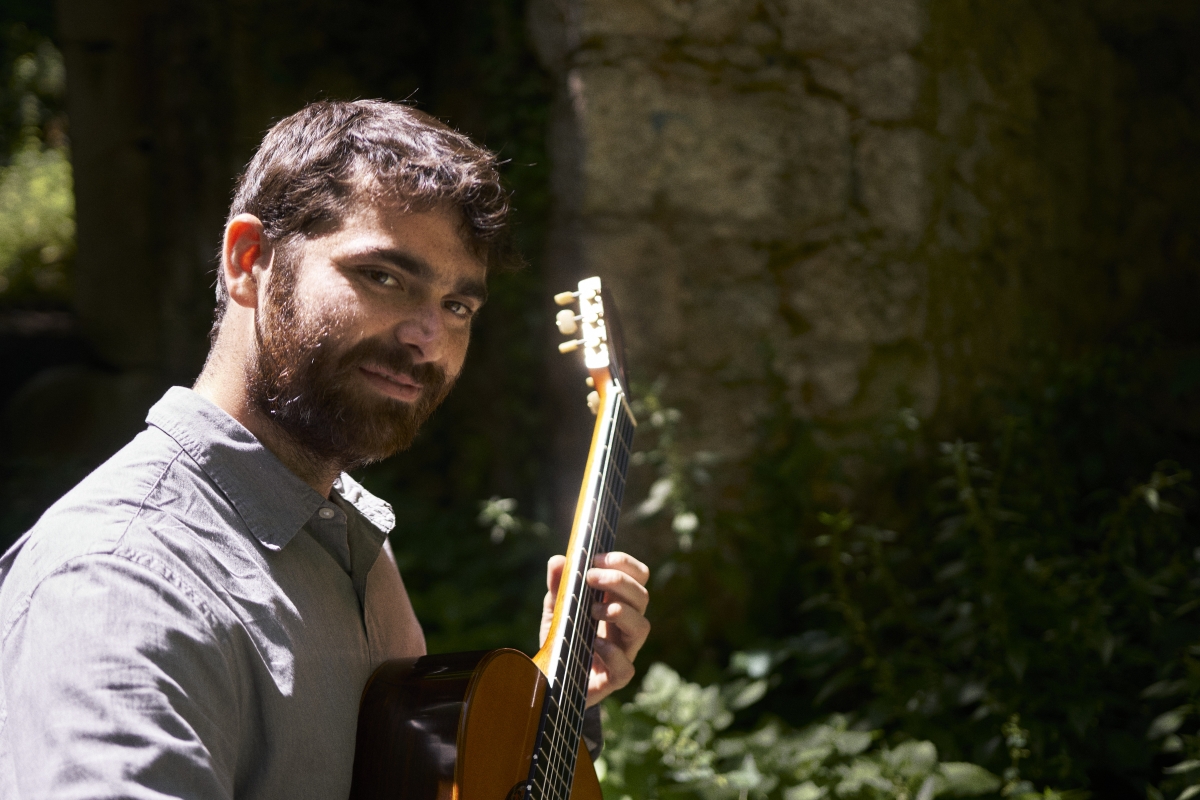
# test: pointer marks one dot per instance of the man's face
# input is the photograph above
(362, 332)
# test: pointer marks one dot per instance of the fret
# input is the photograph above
(570, 665)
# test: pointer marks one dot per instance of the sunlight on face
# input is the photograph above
(363, 331)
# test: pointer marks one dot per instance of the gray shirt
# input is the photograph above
(193, 620)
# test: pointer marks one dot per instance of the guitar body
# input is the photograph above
(497, 725)
(460, 726)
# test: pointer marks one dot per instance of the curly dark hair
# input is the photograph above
(312, 165)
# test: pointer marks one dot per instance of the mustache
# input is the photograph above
(394, 358)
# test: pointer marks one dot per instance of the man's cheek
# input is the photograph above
(460, 341)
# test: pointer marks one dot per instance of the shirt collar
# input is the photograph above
(272, 501)
(376, 511)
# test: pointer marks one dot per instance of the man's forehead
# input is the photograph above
(443, 221)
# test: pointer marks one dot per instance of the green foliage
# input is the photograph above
(674, 739)
(1022, 572)
(37, 220)
(37, 200)
(680, 479)
(473, 586)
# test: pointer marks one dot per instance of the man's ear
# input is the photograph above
(245, 256)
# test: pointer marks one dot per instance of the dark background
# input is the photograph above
(166, 103)
(1031, 550)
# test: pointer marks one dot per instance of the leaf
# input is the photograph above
(834, 685)
(1017, 662)
(858, 774)
(966, 780)
(805, 791)
(659, 492)
(748, 695)
(747, 777)
(1190, 791)
(1107, 645)
(912, 759)
(851, 743)
(1168, 722)
(1183, 766)
(754, 663)
(1164, 689)
(951, 570)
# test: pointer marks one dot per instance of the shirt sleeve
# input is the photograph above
(115, 686)
(392, 628)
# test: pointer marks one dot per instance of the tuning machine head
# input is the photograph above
(567, 322)
(588, 324)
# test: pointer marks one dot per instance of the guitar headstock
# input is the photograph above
(598, 330)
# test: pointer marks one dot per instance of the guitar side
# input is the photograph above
(459, 726)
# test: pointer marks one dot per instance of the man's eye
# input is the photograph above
(382, 277)
(459, 309)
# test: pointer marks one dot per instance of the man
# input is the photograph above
(198, 617)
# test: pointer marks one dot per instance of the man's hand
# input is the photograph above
(623, 626)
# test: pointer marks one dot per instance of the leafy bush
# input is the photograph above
(37, 200)
(966, 582)
(674, 739)
(37, 219)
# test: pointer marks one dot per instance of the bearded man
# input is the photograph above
(198, 617)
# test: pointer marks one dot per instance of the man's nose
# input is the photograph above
(422, 332)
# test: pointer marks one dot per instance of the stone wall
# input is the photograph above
(749, 179)
(864, 204)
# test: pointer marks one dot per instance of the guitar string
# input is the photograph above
(575, 659)
(562, 773)
(578, 660)
(560, 756)
(583, 648)
(554, 769)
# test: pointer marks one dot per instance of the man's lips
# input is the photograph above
(394, 384)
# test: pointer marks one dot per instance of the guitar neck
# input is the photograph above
(569, 645)
(566, 657)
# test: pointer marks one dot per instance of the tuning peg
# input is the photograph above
(565, 298)
(571, 346)
(566, 321)
(593, 401)
(590, 381)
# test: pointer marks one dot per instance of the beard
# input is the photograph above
(315, 394)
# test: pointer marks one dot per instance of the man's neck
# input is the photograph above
(230, 397)
(316, 473)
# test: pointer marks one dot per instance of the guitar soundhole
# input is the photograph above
(519, 791)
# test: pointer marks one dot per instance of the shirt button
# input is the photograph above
(325, 513)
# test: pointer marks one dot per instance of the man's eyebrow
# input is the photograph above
(418, 268)
(476, 290)
(399, 259)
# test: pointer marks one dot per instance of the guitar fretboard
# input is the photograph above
(554, 759)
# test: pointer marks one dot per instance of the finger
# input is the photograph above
(631, 628)
(619, 586)
(626, 563)
(611, 670)
(554, 571)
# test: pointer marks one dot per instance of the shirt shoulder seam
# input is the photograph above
(146, 562)
(116, 551)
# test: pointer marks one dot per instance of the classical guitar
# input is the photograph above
(497, 725)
